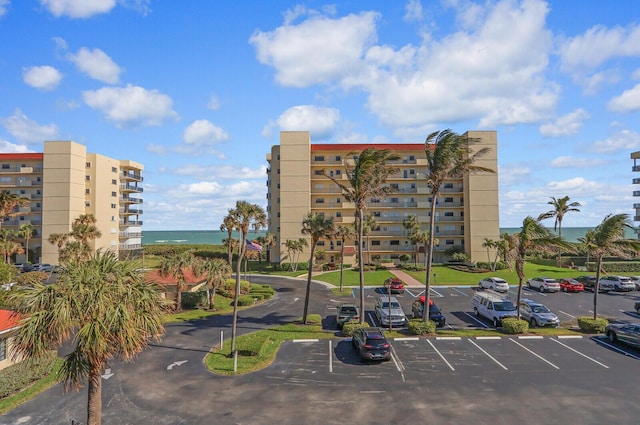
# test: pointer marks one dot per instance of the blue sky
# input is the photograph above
(198, 91)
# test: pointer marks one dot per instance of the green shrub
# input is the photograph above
(513, 326)
(19, 376)
(420, 327)
(350, 327)
(261, 295)
(229, 287)
(191, 300)
(589, 324)
(245, 300)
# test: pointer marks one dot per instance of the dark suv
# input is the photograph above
(371, 344)
(434, 312)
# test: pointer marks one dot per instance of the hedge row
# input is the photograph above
(21, 375)
(514, 326)
(420, 327)
(589, 324)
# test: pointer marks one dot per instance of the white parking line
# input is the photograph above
(397, 362)
(613, 347)
(488, 337)
(439, 295)
(535, 354)
(570, 315)
(330, 358)
(306, 340)
(569, 336)
(582, 354)
(459, 291)
(488, 355)
(441, 356)
(448, 338)
(473, 317)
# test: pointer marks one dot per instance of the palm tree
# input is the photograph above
(26, 232)
(561, 206)
(246, 216)
(84, 230)
(228, 224)
(490, 243)
(294, 249)
(216, 271)
(533, 236)
(9, 203)
(175, 267)
(102, 307)
(608, 238)
(369, 225)
(8, 245)
(367, 179)
(412, 225)
(449, 156)
(343, 233)
(58, 239)
(318, 227)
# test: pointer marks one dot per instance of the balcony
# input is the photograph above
(130, 211)
(635, 168)
(28, 169)
(131, 188)
(126, 199)
(129, 247)
(130, 223)
(131, 176)
(130, 234)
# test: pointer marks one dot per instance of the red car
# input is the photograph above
(393, 285)
(571, 285)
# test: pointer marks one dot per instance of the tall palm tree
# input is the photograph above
(561, 206)
(247, 216)
(9, 203)
(317, 226)
(228, 224)
(216, 271)
(85, 231)
(294, 249)
(8, 244)
(343, 233)
(608, 238)
(533, 236)
(58, 239)
(369, 224)
(102, 307)
(26, 232)
(449, 156)
(175, 266)
(365, 180)
(412, 225)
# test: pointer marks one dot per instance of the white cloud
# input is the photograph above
(513, 174)
(97, 65)
(27, 130)
(4, 5)
(320, 122)
(8, 147)
(573, 162)
(200, 137)
(628, 101)
(337, 46)
(218, 172)
(131, 106)
(78, 8)
(625, 140)
(42, 77)
(565, 125)
(413, 11)
(214, 103)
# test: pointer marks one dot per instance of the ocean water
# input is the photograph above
(215, 237)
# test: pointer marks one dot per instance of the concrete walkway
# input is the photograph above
(405, 277)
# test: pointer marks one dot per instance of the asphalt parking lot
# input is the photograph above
(455, 303)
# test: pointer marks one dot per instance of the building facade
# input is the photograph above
(65, 182)
(466, 211)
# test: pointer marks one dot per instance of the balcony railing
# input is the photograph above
(130, 200)
(131, 176)
(130, 223)
(20, 169)
(130, 234)
(128, 247)
(131, 188)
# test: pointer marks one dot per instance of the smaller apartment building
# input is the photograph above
(64, 182)
(466, 211)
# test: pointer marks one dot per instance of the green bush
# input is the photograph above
(191, 300)
(261, 295)
(245, 300)
(420, 327)
(19, 376)
(350, 327)
(513, 326)
(229, 287)
(589, 324)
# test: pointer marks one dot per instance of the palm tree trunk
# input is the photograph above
(235, 299)
(308, 292)
(341, 263)
(94, 397)
(361, 265)
(520, 273)
(429, 261)
(596, 287)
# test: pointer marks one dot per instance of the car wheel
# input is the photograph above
(612, 336)
(491, 288)
(476, 312)
(541, 289)
(565, 289)
(495, 322)
(533, 323)
(638, 310)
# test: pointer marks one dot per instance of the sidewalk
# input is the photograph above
(406, 278)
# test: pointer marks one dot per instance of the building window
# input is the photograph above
(278, 185)
(278, 171)
(23, 192)
(448, 213)
(448, 199)
(375, 243)
(114, 206)
(394, 200)
(412, 158)
(448, 186)
(113, 218)
(338, 200)
(87, 191)
(320, 243)
(449, 242)
(87, 204)
(320, 201)
(319, 172)
(87, 178)
(114, 194)
(3, 349)
(339, 214)
(318, 158)
(87, 164)
(6, 166)
(338, 158)
(114, 170)
(114, 181)
(397, 243)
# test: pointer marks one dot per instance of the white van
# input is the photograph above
(493, 306)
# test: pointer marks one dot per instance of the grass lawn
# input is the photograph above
(352, 278)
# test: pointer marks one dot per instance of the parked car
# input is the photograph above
(388, 309)
(493, 307)
(636, 280)
(417, 307)
(589, 283)
(537, 314)
(544, 284)
(371, 344)
(629, 333)
(45, 268)
(28, 267)
(570, 285)
(393, 285)
(619, 283)
(494, 283)
(345, 313)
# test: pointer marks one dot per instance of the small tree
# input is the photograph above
(317, 226)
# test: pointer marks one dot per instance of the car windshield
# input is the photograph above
(348, 309)
(504, 306)
(540, 309)
(393, 304)
(433, 309)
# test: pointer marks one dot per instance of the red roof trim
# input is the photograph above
(362, 146)
(8, 320)
(14, 156)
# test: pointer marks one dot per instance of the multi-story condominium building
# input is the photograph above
(466, 211)
(64, 182)
(636, 180)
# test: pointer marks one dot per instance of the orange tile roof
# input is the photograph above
(8, 320)
(190, 279)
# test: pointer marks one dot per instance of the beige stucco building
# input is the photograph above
(466, 212)
(64, 182)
